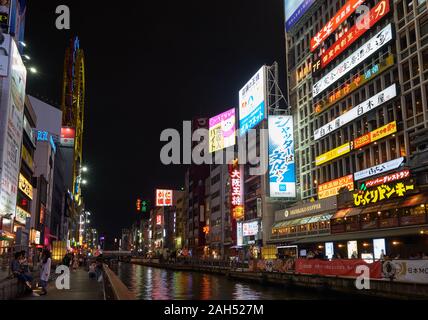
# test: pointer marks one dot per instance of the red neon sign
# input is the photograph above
(377, 13)
(389, 178)
(158, 220)
(341, 16)
(236, 195)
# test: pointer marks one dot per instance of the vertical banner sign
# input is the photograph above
(239, 235)
(11, 128)
(236, 191)
(340, 17)
(252, 102)
(282, 176)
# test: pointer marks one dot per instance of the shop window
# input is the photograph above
(406, 71)
(412, 36)
(409, 105)
(415, 66)
(402, 146)
(403, 41)
(393, 148)
(384, 156)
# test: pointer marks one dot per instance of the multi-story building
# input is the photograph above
(358, 88)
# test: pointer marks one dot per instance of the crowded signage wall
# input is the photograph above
(355, 83)
(236, 191)
(331, 188)
(375, 135)
(382, 193)
(356, 112)
(382, 168)
(333, 154)
(335, 22)
(252, 102)
(67, 137)
(361, 54)
(294, 10)
(164, 198)
(222, 131)
(250, 228)
(377, 13)
(282, 176)
(402, 175)
(25, 186)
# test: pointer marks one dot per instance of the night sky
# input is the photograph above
(149, 66)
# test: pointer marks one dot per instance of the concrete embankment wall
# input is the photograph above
(378, 288)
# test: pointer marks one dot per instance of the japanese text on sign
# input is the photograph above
(389, 178)
(163, 198)
(236, 196)
(381, 193)
(331, 188)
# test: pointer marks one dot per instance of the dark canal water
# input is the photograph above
(158, 284)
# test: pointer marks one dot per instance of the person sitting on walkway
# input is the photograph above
(19, 272)
(45, 270)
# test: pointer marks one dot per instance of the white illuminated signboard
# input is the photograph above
(250, 229)
(382, 168)
(361, 54)
(367, 106)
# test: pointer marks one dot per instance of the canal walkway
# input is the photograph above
(81, 288)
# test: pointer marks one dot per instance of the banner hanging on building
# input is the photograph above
(343, 268)
(282, 175)
(414, 271)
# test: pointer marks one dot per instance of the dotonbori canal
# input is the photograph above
(159, 284)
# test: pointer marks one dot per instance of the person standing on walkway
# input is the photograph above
(75, 262)
(45, 270)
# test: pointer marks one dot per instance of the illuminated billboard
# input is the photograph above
(294, 10)
(333, 154)
(25, 186)
(250, 229)
(331, 188)
(252, 102)
(382, 168)
(340, 17)
(236, 191)
(164, 198)
(359, 55)
(356, 112)
(222, 131)
(67, 137)
(355, 83)
(376, 14)
(382, 193)
(375, 135)
(282, 176)
(402, 175)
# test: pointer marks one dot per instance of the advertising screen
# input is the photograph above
(340, 17)
(164, 198)
(250, 229)
(282, 175)
(67, 137)
(359, 55)
(379, 247)
(356, 112)
(222, 131)
(294, 10)
(352, 249)
(252, 102)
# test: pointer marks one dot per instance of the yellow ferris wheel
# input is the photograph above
(73, 106)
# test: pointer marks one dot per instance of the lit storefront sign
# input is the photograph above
(25, 186)
(21, 215)
(222, 131)
(35, 236)
(239, 234)
(357, 82)
(335, 22)
(68, 136)
(250, 229)
(361, 54)
(294, 10)
(365, 107)
(377, 13)
(252, 102)
(164, 198)
(333, 154)
(236, 191)
(331, 188)
(382, 168)
(28, 159)
(282, 176)
(402, 175)
(158, 220)
(382, 193)
(375, 135)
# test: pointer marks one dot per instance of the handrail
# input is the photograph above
(120, 291)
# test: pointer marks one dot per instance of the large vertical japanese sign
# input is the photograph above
(236, 191)
(252, 102)
(294, 10)
(11, 128)
(282, 176)
(222, 133)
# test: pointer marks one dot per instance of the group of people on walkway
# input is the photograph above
(21, 270)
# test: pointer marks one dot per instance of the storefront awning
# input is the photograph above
(349, 212)
(302, 221)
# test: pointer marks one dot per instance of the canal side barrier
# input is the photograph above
(114, 288)
(379, 288)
